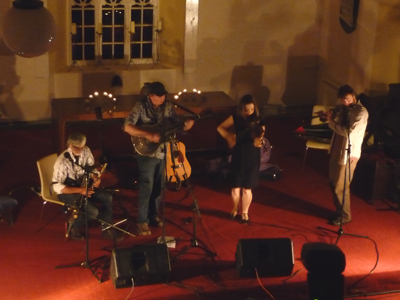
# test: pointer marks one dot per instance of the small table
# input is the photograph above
(64, 110)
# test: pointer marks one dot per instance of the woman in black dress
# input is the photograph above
(244, 135)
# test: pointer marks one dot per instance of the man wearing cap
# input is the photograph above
(152, 109)
(68, 175)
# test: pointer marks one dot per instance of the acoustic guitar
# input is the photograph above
(178, 168)
(166, 130)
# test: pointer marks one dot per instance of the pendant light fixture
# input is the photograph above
(28, 28)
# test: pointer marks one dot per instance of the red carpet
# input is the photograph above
(291, 207)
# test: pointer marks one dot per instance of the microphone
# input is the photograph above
(68, 156)
(88, 169)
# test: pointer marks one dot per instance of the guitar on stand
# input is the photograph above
(177, 166)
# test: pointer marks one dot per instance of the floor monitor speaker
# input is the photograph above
(325, 264)
(323, 258)
(271, 257)
(140, 265)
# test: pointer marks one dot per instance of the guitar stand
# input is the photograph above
(193, 241)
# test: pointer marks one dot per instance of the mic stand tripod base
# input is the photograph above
(193, 241)
(340, 232)
(194, 244)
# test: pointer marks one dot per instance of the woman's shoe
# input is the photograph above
(233, 214)
(245, 218)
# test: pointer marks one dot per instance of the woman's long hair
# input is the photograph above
(247, 99)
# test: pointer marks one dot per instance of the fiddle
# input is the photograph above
(257, 132)
(323, 115)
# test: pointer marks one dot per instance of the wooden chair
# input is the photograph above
(316, 144)
(45, 167)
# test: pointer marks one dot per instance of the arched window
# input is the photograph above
(113, 30)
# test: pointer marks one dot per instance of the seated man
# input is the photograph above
(6, 209)
(68, 179)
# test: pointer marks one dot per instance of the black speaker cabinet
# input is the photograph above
(326, 287)
(142, 264)
(323, 258)
(325, 264)
(376, 178)
(271, 257)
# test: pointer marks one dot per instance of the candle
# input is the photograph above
(100, 28)
(132, 28)
(73, 28)
(159, 25)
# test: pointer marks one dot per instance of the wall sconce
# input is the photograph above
(28, 28)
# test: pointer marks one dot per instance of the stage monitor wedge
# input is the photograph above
(272, 257)
(140, 265)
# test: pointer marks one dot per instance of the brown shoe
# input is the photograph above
(339, 221)
(156, 222)
(143, 229)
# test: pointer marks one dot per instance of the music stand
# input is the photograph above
(347, 172)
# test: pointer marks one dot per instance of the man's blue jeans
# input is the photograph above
(151, 175)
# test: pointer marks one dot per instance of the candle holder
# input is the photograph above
(73, 44)
(158, 48)
(131, 62)
(99, 60)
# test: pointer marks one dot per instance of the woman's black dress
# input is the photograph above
(245, 157)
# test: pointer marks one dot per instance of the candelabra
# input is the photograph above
(99, 34)
(195, 97)
(73, 44)
(158, 44)
(105, 101)
(131, 33)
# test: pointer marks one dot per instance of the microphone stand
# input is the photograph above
(87, 263)
(183, 108)
(195, 207)
(163, 134)
(347, 174)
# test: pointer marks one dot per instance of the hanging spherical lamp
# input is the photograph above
(28, 28)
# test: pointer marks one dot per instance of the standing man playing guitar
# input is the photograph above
(151, 110)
